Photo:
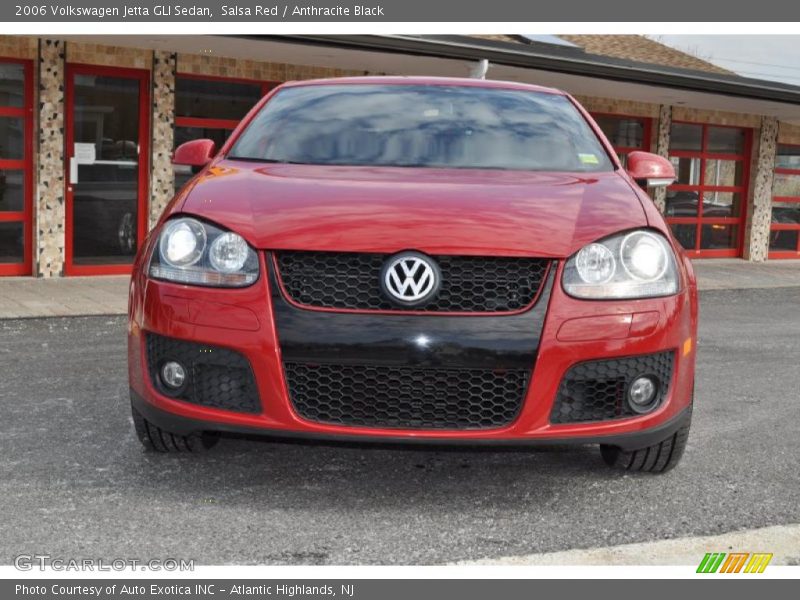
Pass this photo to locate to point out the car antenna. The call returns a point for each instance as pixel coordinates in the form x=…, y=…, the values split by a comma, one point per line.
x=478, y=71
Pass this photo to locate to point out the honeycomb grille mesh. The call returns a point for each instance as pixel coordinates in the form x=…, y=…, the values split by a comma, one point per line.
x=349, y=280
x=596, y=390
x=218, y=377
x=406, y=397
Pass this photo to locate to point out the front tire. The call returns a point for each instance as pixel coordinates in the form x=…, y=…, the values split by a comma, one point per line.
x=658, y=458
x=155, y=439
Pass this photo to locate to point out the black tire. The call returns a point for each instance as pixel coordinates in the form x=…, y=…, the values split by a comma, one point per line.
x=156, y=439
x=126, y=233
x=658, y=458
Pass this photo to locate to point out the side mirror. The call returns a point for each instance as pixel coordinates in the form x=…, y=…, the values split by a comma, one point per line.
x=196, y=154
x=650, y=170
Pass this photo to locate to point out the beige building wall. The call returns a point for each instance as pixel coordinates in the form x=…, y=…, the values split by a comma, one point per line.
x=788, y=134
x=715, y=117
x=12, y=46
x=108, y=56
x=618, y=107
x=216, y=66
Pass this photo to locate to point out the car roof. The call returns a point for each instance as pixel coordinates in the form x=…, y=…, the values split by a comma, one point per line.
x=411, y=80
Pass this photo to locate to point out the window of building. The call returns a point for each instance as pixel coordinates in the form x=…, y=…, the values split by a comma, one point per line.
x=705, y=206
x=107, y=137
x=16, y=159
x=625, y=133
x=784, y=238
x=211, y=107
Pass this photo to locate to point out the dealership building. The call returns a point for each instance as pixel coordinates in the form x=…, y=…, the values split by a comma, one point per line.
x=88, y=125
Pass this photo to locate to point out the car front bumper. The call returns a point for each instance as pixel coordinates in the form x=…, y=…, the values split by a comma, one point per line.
x=551, y=338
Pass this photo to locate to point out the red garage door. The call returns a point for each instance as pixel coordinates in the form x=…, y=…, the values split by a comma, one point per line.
x=107, y=136
x=784, y=239
x=16, y=172
x=706, y=206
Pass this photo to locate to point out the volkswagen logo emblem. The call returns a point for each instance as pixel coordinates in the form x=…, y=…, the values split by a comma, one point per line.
x=410, y=278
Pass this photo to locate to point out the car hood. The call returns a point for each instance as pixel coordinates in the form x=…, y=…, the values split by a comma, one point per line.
x=438, y=211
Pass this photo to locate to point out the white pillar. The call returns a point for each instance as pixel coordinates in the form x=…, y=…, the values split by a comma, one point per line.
x=162, y=177
x=50, y=210
x=662, y=149
x=759, y=211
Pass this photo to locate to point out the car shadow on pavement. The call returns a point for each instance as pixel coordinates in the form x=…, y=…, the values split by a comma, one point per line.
x=344, y=475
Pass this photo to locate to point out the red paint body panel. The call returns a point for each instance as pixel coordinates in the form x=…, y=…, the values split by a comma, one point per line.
x=644, y=323
x=601, y=327
x=437, y=211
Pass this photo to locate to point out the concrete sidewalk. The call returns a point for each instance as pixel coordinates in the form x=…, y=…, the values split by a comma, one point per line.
x=22, y=297
x=783, y=541
x=736, y=274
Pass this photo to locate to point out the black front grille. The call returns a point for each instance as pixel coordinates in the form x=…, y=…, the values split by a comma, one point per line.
x=217, y=377
x=596, y=390
x=350, y=280
x=406, y=397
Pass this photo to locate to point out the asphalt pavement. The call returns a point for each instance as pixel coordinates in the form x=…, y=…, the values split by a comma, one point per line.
x=74, y=482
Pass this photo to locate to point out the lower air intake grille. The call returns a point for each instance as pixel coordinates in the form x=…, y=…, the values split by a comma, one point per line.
x=596, y=390
x=217, y=377
x=406, y=397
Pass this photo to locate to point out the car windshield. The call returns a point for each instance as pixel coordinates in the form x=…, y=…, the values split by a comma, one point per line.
x=422, y=126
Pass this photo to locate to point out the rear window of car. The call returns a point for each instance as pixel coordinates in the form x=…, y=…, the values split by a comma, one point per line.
x=422, y=126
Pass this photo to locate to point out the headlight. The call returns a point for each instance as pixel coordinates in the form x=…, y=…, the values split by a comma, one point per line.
x=193, y=252
x=228, y=253
x=638, y=264
x=182, y=243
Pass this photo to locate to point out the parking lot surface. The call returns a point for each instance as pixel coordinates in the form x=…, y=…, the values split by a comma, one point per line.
x=74, y=482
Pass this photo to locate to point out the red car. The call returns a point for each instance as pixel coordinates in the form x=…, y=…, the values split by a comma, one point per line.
x=416, y=260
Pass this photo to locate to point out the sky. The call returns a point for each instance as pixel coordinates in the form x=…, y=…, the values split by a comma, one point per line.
x=774, y=57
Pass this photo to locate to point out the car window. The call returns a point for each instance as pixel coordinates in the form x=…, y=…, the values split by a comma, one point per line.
x=422, y=126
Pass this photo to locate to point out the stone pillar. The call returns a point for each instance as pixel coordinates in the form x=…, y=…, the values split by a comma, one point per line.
x=50, y=177
x=662, y=149
x=162, y=178
x=759, y=211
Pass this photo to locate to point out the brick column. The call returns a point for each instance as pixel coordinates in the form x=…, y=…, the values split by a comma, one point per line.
x=50, y=212
x=662, y=149
x=162, y=178
x=759, y=211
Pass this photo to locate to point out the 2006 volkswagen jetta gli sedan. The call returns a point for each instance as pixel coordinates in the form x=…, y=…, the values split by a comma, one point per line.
x=419, y=260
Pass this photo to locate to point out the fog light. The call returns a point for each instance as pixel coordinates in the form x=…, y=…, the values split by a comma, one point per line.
x=173, y=374
x=642, y=394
